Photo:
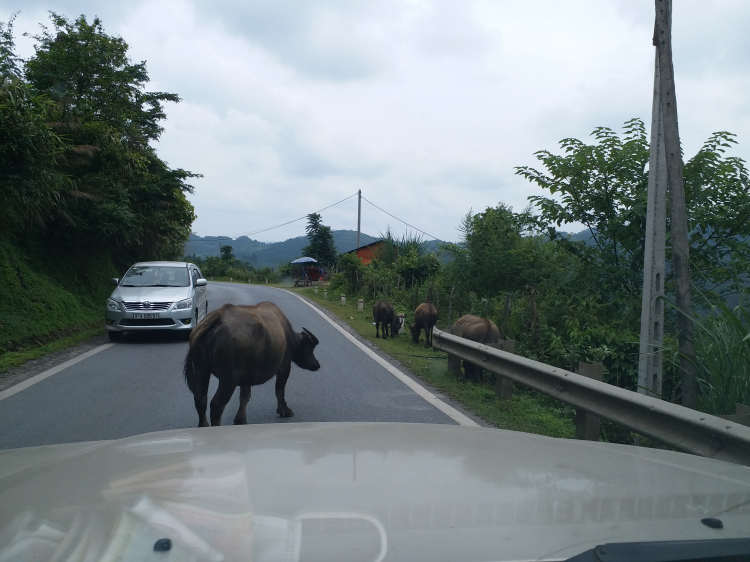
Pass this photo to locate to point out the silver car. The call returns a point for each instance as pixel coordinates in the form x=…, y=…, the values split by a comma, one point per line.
x=160, y=295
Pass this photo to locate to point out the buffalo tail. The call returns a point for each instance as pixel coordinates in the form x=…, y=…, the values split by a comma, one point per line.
x=187, y=370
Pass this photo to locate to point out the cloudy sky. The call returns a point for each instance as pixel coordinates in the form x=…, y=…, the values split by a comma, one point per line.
x=425, y=105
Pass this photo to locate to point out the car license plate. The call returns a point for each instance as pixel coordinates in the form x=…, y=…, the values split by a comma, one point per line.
x=146, y=316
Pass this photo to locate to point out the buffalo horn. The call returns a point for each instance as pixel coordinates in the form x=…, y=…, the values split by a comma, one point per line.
x=312, y=336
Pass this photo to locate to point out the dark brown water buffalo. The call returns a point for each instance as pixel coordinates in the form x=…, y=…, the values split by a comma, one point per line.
x=480, y=330
x=244, y=346
x=384, y=313
x=425, y=317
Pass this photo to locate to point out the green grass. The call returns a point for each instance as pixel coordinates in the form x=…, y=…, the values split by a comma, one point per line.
x=722, y=356
x=527, y=411
x=50, y=300
x=12, y=359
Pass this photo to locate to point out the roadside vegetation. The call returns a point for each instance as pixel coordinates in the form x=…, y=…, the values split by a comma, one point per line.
x=567, y=299
x=83, y=193
x=526, y=411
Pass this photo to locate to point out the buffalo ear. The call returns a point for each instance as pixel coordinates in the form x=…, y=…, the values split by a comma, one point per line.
x=311, y=335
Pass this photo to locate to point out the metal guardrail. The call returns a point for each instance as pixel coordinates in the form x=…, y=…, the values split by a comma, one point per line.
x=678, y=427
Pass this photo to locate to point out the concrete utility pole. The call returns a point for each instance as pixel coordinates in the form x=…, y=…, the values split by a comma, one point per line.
x=652, y=309
x=677, y=211
x=359, y=214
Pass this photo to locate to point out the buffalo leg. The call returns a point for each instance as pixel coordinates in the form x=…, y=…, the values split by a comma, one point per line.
x=377, y=329
x=241, y=417
x=220, y=399
x=470, y=371
x=202, y=377
x=385, y=331
x=281, y=377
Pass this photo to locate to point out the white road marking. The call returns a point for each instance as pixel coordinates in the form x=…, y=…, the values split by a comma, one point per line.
x=48, y=373
x=433, y=400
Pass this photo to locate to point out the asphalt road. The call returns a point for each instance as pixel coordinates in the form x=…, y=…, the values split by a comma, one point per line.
x=137, y=386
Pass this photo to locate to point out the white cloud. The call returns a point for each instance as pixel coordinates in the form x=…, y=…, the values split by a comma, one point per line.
x=425, y=105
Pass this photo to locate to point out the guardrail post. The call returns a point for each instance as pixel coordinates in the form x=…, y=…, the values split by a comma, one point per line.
x=587, y=425
x=503, y=386
x=741, y=415
x=454, y=361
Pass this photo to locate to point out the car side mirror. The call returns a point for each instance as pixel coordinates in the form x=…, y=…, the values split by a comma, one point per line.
x=115, y=281
x=201, y=283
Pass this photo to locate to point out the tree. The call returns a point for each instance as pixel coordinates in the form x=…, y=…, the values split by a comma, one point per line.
x=92, y=78
x=604, y=187
x=351, y=267
x=119, y=194
x=227, y=254
x=321, y=246
x=493, y=239
x=32, y=187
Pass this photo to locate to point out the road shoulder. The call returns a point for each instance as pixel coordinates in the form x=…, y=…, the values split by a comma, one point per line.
x=395, y=362
x=34, y=367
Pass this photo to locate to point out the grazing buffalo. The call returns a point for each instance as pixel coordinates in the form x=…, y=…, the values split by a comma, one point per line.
x=244, y=346
x=480, y=330
x=425, y=317
x=384, y=313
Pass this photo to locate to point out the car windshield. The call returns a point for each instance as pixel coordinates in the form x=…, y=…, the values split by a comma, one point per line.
x=156, y=276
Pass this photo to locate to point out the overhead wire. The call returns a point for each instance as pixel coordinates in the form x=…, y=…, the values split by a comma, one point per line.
x=319, y=211
x=374, y=208
x=293, y=221
x=400, y=220
x=278, y=225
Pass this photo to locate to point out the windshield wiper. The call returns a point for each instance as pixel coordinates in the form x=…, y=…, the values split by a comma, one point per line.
x=124, y=285
x=717, y=550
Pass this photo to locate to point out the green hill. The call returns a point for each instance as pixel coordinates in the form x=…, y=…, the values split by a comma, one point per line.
x=268, y=254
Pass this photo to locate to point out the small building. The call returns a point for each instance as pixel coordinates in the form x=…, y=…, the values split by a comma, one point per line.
x=368, y=252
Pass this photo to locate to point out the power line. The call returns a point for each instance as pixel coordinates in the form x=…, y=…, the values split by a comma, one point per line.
x=376, y=212
x=292, y=221
x=273, y=227
x=319, y=211
x=398, y=219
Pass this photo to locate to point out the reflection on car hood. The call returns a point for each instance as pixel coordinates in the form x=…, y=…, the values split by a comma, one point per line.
x=153, y=294
x=357, y=491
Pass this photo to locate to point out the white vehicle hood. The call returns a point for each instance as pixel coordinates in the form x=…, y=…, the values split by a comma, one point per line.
x=368, y=491
x=153, y=294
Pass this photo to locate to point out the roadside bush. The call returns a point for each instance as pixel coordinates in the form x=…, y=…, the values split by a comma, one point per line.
x=722, y=355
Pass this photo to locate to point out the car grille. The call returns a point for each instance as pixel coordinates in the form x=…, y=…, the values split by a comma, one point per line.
x=147, y=322
x=142, y=306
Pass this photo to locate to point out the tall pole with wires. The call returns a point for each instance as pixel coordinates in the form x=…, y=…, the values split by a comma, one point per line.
x=359, y=214
x=677, y=209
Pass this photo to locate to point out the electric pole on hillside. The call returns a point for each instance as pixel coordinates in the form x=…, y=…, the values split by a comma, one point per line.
x=359, y=214
x=665, y=175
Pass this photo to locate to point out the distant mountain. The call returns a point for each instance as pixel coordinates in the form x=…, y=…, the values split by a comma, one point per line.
x=268, y=254
x=583, y=236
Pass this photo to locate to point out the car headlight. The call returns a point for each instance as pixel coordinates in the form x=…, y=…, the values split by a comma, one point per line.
x=187, y=303
x=113, y=305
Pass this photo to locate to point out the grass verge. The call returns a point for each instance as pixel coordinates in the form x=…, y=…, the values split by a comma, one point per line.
x=12, y=359
x=527, y=411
